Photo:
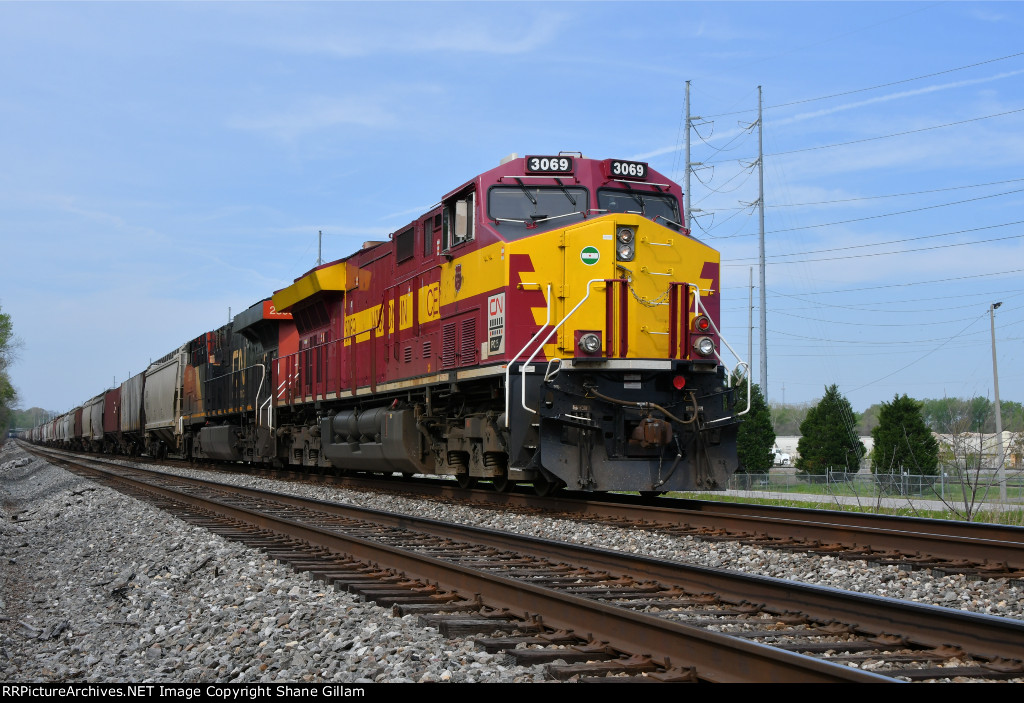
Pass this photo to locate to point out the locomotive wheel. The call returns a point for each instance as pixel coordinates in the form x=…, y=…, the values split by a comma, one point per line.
x=544, y=485
x=502, y=484
x=465, y=480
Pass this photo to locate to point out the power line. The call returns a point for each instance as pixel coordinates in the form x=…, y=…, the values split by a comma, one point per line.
x=886, y=214
x=876, y=197
x=749, y=170
x=875, y=311
x=884, y=136
x=859, y=342
x=880, y=253
x=897, y=134
x=906, y=239
x=874, y=87
x=920, y=358
x=916, y=283
x=917, y=323
x=818, y=303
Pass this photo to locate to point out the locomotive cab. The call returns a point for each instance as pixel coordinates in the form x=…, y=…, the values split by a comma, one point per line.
x=618, y=383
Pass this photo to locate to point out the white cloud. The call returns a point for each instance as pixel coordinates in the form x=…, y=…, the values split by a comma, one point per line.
x=441, y=34
x=805, y=116
x=895, y=96
x=318, y=113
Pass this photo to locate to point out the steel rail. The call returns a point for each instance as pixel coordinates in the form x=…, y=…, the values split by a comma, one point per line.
x=950, y=540
x=717, y=657
x=980, y=634
x=944, y=539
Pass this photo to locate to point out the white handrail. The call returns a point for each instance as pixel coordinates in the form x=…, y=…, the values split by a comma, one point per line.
x=508, y=366
x=266, y=403
x=522, y=369
x=699, y=306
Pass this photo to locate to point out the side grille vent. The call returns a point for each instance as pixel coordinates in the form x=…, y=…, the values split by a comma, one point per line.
x=467, y=348
x=448, y=346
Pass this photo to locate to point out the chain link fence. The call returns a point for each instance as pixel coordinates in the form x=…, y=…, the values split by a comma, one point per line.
x=980, y=485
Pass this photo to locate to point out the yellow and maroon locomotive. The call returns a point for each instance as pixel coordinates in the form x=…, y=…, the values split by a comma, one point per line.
x=551, y=321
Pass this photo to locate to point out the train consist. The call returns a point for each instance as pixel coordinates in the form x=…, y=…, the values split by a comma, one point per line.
x=551, y=321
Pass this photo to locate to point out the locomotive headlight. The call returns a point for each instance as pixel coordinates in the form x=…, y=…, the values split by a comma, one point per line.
x=590, y=343
x=625, y=248
x=704, y=346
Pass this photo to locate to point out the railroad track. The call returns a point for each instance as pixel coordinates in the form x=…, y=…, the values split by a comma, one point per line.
x=640, y=615
x=977, y=550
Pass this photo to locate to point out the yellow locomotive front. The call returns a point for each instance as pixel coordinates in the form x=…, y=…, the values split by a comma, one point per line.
x=614, y=371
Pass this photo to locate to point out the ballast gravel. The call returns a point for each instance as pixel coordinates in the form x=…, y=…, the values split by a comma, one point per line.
x=98, y=587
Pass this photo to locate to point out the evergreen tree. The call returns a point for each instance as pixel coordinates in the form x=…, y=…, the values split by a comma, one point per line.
x=828, y=438
x=903, y=443
x=756, y=437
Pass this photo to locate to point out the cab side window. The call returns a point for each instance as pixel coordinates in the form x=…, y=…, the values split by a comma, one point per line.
x=459, y=216
x=404, y=245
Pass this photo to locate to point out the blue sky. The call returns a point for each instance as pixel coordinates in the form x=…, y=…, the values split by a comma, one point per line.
x=161, y=163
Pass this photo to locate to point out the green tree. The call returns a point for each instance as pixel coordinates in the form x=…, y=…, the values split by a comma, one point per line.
x=8, y=396
x=786, y=419
x=983, y=417
x=975, y=415
x=756, y=437
x=33, y=417
x=868, y=420
x=828, y=438
x=903, y=443
x=1013, y=415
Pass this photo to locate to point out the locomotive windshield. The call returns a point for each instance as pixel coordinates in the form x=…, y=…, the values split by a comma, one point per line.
x=660, y=207
x=522, y=210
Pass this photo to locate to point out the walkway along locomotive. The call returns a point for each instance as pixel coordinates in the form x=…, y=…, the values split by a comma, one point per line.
x=550, y=321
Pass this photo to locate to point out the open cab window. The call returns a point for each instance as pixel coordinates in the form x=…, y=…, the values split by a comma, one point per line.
x=459, y=216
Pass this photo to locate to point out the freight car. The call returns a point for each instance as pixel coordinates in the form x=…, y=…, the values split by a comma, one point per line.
x=550, y=321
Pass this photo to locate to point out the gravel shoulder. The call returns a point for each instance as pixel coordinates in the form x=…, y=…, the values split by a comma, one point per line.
x=97, y=587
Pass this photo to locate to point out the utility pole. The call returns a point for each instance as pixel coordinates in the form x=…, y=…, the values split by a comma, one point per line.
x=689, y=165
x=319, y=247
x=1000, y=457
x=760, y=204
x=750, y=323
x=686, y=195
